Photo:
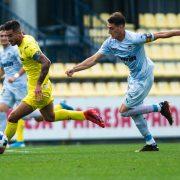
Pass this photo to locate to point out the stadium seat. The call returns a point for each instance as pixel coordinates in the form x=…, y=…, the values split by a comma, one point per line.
x=163, y=88
x=159, y=70
x=88, y=89
x=149, y=20
x=123, y=88
x=167, y=52
x=104, y=16
x=172, y=20
x=113, y=88
x=61, y=89
x=86, y=20
x=156, y=53
x=101, y=89
x=122, y=70
x=176, y=52
x=97, y=22
x=109, y=70
x=175, y=88
x=141, y=20
x=178, y=18
x=160, y=20
x=175, y=39
x=96, y=71
x=148, y=50
x=75, y=89
x=171, y=69
x=57, y=70
x=153, y=91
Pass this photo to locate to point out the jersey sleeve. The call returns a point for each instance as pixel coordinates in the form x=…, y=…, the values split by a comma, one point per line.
x=31, y=49
x=105, y=48
x=140, y=38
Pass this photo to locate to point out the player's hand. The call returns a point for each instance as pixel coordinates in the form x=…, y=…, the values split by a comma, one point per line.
x=38, y=93
x=70, y=72
x=11, y=79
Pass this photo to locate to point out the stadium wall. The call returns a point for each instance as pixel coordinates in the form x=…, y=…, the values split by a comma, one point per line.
x=117, y=127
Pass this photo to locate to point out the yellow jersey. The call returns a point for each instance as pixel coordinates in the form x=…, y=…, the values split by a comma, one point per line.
x=27, y=49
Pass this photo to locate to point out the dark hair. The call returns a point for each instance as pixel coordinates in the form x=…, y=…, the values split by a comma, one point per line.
x=2, y=28
x=117, y=18
x=12, y=25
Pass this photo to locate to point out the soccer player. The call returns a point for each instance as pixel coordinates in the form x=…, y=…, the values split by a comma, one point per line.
x=14, y=84
x=39, y=96
x=128, y=47
x=15, y=87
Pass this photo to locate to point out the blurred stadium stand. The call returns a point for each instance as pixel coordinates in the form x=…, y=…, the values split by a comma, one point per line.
x=69, y=36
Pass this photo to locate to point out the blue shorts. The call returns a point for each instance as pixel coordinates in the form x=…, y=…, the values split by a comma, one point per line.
x=12, y=97
x=138, y=91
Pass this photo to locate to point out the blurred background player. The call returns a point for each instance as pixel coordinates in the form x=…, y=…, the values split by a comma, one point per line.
x=128, y=47
x=39, y=96
x=15, y=87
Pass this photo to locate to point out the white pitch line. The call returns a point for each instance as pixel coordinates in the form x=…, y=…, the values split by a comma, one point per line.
x=17, y=151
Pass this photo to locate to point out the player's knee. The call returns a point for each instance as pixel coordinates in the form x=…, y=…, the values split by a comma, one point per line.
x=123, y=109
x=12, y=117
x=50, y=118
x=3, y=108
x=39, y=119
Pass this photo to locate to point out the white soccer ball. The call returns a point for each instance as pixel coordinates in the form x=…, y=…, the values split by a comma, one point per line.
x=3, y=142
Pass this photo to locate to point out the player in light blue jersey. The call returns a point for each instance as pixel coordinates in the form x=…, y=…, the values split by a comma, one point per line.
x=128, y=47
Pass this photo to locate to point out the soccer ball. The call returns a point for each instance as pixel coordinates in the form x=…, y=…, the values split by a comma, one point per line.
x=3, y=142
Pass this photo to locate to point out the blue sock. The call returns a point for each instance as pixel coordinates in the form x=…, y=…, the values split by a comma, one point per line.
x=141, y=124
x=65, y=106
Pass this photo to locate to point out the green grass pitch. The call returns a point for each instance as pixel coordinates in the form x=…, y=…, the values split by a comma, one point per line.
x=89, y=162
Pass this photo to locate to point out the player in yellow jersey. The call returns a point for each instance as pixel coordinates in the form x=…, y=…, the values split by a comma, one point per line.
x=39, y=96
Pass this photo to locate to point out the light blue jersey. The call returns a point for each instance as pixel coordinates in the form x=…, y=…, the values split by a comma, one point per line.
x=131, y=52
x=12, y=93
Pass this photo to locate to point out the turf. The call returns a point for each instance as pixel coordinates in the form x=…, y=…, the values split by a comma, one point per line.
x=89, y=162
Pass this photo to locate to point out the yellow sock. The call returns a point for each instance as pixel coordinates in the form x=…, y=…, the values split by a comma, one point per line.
x=68, y=115
x=20, y=131
x=10, y=130
x=57, y=107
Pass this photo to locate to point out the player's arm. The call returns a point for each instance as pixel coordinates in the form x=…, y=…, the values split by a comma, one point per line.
x=166, y=34
x=1, y=73
x=16, y=75
x=41, y=58
x=87, y=63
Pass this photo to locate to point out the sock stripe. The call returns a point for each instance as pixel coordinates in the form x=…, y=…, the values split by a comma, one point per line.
x=155, y=108
x=148, y=137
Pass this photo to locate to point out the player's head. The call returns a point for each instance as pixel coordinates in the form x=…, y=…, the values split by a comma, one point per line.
x=116, y=24
x=3, y=37
x=13, y=31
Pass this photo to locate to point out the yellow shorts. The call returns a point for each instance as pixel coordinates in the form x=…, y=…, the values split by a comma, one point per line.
x=31, y=100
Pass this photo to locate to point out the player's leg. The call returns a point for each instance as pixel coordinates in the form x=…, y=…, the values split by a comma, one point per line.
x=6, y=102
x=19, y=93
x=20, y=111
x=3, y=115
x=137, y=91
x=91, y=115
x=136, y=94
x=19, y=143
